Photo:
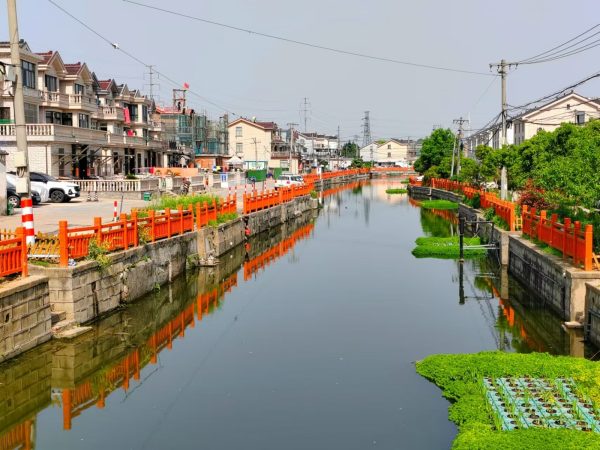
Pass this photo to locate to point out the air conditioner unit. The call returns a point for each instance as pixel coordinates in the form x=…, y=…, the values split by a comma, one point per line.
x=57, y=115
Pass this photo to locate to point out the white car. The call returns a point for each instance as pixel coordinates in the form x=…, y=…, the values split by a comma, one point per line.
x=288, y=180
x=60, y=191
x=36, y=186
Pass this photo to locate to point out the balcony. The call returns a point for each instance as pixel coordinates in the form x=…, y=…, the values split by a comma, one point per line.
x=109, y=113
x=47, y=132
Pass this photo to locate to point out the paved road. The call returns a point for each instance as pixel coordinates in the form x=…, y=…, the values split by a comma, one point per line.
x=80, y=212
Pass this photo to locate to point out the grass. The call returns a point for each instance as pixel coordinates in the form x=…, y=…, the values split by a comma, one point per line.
x=543, y=246
x=222, y=218
x=460, y=378
x=439, y=204
x=396, y=191
x=446, y=247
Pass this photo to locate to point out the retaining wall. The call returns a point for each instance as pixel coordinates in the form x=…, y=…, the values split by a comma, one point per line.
x=87, y=291
x=592, y=308
x=25, y=315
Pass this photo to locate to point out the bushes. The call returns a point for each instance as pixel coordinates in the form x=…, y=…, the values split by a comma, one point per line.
x=396, y=191
x=446, y=247
x=183, y=200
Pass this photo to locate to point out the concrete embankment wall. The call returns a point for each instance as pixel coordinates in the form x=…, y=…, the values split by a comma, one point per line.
x=552, y=280
x=25, y=315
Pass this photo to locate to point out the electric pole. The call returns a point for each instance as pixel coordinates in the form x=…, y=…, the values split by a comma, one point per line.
x=291, y=125
x=458, y=147
x=503, y=67
x=21, y=157
x=255, y=153
x=339, y=150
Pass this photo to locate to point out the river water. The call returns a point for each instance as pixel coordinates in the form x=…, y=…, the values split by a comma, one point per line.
x=305, y=338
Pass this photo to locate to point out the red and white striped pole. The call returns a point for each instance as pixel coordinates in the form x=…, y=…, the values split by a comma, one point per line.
x=27, y=220
x=115, y=211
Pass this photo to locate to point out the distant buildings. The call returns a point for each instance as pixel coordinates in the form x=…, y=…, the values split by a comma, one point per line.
x=393, y=152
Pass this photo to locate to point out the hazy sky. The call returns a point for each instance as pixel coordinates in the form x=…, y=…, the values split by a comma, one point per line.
x=250, y=75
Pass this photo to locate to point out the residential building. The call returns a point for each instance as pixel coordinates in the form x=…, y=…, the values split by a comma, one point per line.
x=393, y=152
x=74, y=126
x=571, y=108
x=262, y=145
x=317, y=146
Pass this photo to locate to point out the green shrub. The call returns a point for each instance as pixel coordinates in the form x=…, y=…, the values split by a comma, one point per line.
x=183, y=200
x=447, y=247
x=99, y=252
x=396, y=191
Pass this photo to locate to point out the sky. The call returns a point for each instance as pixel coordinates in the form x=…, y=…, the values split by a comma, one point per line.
x=252, y=76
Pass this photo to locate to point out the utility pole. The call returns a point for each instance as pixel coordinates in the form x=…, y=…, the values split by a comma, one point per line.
x=458, y=147
x=255, y=153
x=339, y=150
x=503, y=67
x=291, y=125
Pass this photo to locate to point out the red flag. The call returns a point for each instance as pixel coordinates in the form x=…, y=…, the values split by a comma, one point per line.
x=186, y=86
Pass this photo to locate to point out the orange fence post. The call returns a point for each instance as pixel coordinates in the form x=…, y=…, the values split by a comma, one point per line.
x=566, y=229
x=136, y=237
x=63, y=240
x=98, y=231
x=23, y=244
x=198, y=224
x=123, y=218
x=151, y=215
x=588, y=242
x=180, y=211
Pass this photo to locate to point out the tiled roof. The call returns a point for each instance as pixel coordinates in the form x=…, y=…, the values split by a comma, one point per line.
x=104, y=84
x=46, y=55
x=73, y=69
x=267, y=125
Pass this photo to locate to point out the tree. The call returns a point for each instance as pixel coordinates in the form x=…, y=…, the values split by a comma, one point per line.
x=350, y=150
x=438, y=145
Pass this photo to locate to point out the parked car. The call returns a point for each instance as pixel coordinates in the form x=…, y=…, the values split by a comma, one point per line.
x=14, y=199
x=36, y=186
x=59, y=191
x=287, y=180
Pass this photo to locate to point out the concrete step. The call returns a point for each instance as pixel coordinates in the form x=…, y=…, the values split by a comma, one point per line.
x=63, y=325
x=57, y=316
x=71, y=333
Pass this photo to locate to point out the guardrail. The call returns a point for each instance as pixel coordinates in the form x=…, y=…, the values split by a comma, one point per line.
x=569, y=238
x=13, y=253
x=256, y=201
x=140, y=185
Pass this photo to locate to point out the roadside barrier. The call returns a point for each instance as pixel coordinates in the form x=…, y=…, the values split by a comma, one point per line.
x=256, y=201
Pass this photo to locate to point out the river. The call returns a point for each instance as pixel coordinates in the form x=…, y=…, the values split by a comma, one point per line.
x=304, y=338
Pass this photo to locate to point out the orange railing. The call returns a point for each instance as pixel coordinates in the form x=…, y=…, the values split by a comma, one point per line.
x=13, y=253
x=502, y=208
x=569, y=238
x=413, y=181
x=125, y=233
x=257, y=201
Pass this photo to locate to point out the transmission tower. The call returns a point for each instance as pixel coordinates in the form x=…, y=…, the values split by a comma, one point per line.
x=366, y=129
x=305, y=112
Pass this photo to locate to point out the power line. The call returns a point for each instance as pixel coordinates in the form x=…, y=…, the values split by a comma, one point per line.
x=116, y=46
x=307, y=44
x=559, y=46
x=588, y=46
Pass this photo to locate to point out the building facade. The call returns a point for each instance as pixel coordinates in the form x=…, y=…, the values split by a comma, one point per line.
x=393, y=152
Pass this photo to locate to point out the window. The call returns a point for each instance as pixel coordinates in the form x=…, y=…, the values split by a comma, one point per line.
x=580, y=118
x=144, y=113
x=389, y=154
x=238, y=131
x=84, y=121
x=79, y=89
x=4, y=114
x=389, y=146
x=51, y=83
x=31, y=113
x=53, y=117
x=28, y=71
x=239, y=147
x=67, y=119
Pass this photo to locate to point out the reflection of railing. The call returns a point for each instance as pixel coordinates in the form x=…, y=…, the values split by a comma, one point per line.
x=344, y=187
x=277, y=251
x=90, y=392
x=18, y=437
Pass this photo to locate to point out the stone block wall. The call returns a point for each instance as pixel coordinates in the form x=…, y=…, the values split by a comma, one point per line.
x=592, y=313
x=25, y=315
x=221, y=239
x=86, y=291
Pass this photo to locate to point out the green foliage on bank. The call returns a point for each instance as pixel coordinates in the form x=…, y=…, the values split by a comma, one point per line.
x=446, y=247
x=396, y=191
x=460, y=378
x=439, y=204
x=183, y=200
x=222, y=218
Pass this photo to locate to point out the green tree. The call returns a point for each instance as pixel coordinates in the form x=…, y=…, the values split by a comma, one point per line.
x=438, y=145
x=350, y=150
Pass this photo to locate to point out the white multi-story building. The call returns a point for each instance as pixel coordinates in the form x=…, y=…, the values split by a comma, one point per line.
x=75, y=124
x=393, y=152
